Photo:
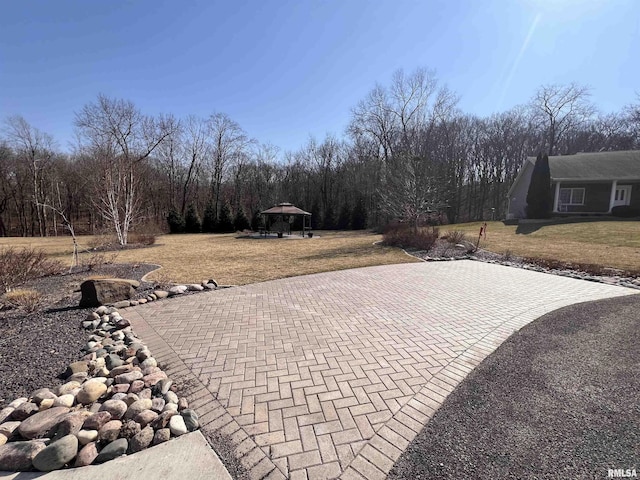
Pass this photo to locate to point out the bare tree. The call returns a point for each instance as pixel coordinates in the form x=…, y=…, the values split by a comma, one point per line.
x=36, y=148
x=228, y=142
x=120, y=138
x=561, y=108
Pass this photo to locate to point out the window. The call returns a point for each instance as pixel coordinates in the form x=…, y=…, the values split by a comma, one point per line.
x=571, y=196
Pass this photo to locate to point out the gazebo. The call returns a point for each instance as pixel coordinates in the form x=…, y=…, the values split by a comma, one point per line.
x=278, y=219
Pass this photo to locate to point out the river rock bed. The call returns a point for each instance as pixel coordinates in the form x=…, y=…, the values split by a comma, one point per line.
x=116, y=400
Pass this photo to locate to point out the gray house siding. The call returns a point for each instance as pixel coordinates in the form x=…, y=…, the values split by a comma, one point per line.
x=596, y=197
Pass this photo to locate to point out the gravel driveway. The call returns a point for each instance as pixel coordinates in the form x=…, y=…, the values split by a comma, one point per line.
x=557, y=400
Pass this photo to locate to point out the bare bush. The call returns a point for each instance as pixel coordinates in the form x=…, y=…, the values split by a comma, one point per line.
x=142, y=238
x=455, y=236
x=29, y=300
x=94, y=260
x=19, y=266
x=400, y=235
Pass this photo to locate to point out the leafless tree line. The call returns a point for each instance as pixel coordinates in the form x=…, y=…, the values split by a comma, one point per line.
x=408, y=152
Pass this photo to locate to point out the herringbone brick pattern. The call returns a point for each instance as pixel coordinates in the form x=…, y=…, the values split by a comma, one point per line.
x=334, y=374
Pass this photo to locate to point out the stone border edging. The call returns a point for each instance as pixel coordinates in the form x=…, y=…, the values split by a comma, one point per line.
x=116, y=401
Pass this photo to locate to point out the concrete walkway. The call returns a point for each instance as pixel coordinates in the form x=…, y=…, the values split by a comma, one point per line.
x=332, y=375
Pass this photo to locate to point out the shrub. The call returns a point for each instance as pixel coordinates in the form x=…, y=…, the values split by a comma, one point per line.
x=328, y=221
x=192, y=222
x=210, y=219
x=539, y=199
x=176, y=222
x=18, y=266
x=141, y=238
x=359, y=216
x=455, y=236
x=225, y=221
x=240, y=221
x=344, y=218
x=401, y=235
x=29, y=300
x=256, y=221
x=625, y=211
x=99, y=258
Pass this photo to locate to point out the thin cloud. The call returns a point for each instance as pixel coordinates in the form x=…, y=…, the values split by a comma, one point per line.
x=515, y=65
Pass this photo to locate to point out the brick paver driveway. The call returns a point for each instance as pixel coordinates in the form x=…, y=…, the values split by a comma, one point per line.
x=334, y=374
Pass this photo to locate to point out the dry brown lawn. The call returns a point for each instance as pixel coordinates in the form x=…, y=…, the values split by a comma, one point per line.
x=238, y=261
x=607, y=243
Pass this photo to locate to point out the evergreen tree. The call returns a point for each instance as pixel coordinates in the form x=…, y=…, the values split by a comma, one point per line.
x=175, y=221
x=539, y=202
x=225, y=221
x=344, y=218
x=210, y=221
x=315, y=216
x=359, y=215
x=256, y=221
x=192, y=220
x=240, y=221
x=328, y=221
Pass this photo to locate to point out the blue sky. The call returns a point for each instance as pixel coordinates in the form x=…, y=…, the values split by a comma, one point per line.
x=288, y=69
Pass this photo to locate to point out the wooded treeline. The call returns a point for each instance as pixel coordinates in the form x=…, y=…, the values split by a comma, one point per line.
x=408, y=153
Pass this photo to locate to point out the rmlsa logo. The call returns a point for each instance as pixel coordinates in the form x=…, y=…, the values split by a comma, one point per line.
x=622, y=473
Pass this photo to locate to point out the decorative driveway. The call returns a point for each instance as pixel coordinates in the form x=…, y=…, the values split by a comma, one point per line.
x=333, y=374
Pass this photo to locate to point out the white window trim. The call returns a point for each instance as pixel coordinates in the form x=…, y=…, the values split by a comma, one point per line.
x=572, y=190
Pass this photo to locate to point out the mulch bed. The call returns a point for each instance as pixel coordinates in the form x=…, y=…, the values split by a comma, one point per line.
x=35, y=348
x=557, y=400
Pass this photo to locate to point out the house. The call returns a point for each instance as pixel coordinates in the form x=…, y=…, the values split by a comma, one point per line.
x=583, y=184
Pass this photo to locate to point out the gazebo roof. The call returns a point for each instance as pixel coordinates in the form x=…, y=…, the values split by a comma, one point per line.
x=284, y=209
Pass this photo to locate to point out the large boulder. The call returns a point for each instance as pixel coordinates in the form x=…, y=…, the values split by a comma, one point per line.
x=18, y=456
x=105, y=291
x=39, y=424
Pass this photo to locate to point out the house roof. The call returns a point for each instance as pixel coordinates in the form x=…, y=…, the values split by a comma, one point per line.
x=284, y=209
x=622, y=165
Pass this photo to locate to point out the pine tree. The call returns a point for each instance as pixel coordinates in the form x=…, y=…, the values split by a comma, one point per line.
x=192, y=220
x=328, y=221
x=256, y=221
x=210, y=221
x=315, y=216
x=539, y=201
x=240, y=221
x=359, y=215
x=225, y=221
x=176, y=222
x=344, y=218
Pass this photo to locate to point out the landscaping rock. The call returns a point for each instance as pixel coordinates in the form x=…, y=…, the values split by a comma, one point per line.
x=66, y=400
x=91, y=391
x=129, y=429
x=42, y=394
x=5, y=412
x=71, y=424
x=129, y=377
x=7, y=428
x=194, y=287
x=110, y=431
x=190, y=418
x=151, y=380
x=86, y=455
x=145, y=417
x=25, y=410
x=161, y=436
x=159, y=294
x=96, y=421
x=157, y=404
x=177, y=290
x=138, y=406
x=141, y=440
x=56, y=455
x=38, y=425
x=98, y=292
x=113, y=450
x=177, y=426
x=87, y=436
x=77, y=367
x=68, y=387
x=18, y=456
x=117, y=408
x=162, y=420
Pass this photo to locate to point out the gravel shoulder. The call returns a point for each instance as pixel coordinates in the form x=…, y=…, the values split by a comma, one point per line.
x=557, y=400
x=35, y=348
